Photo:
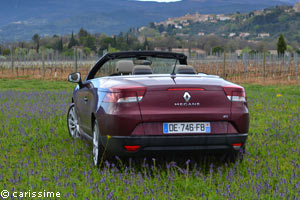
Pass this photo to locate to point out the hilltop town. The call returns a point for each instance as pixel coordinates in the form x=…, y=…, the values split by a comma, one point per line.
x=228, y=25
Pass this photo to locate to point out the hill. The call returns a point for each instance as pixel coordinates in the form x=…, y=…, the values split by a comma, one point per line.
x=20, y=19
x=265, y=24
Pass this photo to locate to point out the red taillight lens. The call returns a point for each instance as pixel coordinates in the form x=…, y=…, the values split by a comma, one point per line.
x=235, y=93
x=125, y=94
x=237, y=144
x=132, y=148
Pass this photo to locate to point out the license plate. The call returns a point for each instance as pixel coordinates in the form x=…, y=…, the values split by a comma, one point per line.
x=187, y=127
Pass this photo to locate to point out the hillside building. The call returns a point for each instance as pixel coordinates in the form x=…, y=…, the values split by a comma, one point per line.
x=232, y=34
x=243, y=35
x=273, y=52
x=187, y=51
x=297, y=7
x=263, y=35
x=239, y=52
x=223, y=17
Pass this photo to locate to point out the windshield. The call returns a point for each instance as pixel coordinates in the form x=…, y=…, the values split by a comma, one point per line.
x=137, y=66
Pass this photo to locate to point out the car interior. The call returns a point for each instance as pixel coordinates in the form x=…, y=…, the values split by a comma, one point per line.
x=143, y=67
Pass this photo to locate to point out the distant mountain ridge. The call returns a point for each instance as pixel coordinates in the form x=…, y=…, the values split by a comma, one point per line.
x=20, y=19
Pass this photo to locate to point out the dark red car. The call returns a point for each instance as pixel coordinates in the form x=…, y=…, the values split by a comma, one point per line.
x=135, y=103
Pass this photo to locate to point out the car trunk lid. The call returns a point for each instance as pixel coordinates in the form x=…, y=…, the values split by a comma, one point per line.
x=184, y=100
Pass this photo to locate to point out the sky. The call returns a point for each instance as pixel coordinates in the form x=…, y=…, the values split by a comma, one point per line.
x=161, y=1
x=166, y=1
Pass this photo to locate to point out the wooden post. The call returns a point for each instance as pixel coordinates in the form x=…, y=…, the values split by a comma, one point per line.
x=17, y=60
x=75, y=60
x=245, y=65
x=43, y=63
x=224, y=65
x=264, y=65
x=80, y=58
x=55, y=63
x=12, y=58
x=296, y=64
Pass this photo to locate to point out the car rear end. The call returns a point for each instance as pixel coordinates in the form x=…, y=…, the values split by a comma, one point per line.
x=174, y=116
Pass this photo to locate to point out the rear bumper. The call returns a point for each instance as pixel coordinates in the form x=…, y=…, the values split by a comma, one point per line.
x=159, y=144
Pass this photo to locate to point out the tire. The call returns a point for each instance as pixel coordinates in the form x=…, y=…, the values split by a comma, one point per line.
x=237, y=155
x=72, y=122
x=97, y=145
x=232, y=156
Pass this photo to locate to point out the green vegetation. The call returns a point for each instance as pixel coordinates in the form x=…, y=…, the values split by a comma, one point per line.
x=34, y=84
x=275, y=21
x=85, y=42
x=217, y=50
x=237, y=32
x=36, y=39
x=37, y=153
x=281, y=45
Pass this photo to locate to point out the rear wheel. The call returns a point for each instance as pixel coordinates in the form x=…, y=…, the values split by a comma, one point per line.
x=232, y=156
x=237, y=155
x=72, y=122
x=97, y=145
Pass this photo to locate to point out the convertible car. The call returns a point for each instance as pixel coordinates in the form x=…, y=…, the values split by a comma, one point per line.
x=140, y=102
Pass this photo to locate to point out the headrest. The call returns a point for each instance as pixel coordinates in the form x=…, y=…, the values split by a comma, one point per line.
x=141, y=69
x=124, y=66
x=185, y=69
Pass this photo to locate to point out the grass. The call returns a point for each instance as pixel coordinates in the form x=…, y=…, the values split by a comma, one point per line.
x=37, y=154
x=34, y=85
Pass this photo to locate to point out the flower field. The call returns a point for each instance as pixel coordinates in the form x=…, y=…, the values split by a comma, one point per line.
x=37, y=154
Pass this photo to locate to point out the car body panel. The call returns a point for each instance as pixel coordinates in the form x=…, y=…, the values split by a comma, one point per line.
x=175, y=144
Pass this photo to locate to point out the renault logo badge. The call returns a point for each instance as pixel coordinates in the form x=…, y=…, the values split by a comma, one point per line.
x=187, y=97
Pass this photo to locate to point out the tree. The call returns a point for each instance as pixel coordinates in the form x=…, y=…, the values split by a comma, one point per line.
x=105, y=42
x=289, y=48
x=170, y=29
x=217, y=50
x=82, y=33
x=60, y=46
x=72, y=42
x=246, y=50
x=87, y=51
x=90, y=42
x=6, y=52
x=161, y=28
x=146, y=44
x=281, y=45
x=152, y=25
x=36, y=39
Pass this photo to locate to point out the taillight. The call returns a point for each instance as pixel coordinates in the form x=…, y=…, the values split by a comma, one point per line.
x=125, y=94
x=132, y=148
x=235, y=93
x=237, y=146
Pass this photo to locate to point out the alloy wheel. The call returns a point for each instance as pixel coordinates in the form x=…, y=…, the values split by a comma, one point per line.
x=73, y=123
x=96, y=144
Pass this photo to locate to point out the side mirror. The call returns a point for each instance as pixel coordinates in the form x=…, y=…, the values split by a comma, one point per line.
x=74, y=77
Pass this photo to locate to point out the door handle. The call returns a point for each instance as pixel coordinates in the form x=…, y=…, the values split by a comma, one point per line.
x=85, y=99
